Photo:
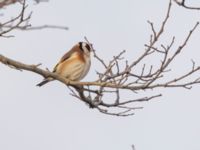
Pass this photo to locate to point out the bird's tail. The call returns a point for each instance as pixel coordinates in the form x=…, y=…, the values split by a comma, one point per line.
x=46, y=80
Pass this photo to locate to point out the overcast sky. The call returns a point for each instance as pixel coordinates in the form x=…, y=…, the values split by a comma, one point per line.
x=48, y=118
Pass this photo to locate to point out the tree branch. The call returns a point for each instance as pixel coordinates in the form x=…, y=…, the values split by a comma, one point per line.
x=182, y=3
x=111, y=79
x=21, y=22
x=119, y=76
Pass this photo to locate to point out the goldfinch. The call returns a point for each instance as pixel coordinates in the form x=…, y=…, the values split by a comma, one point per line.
x=74, y=65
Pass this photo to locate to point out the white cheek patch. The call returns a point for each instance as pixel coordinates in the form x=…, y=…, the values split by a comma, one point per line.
x=84, y=48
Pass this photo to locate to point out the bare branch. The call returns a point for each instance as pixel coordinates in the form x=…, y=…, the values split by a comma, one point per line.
x=4, y=3
x=15, y=22
x=182, y=3
x=7, y=2
x=119, y=76
x=21, y=22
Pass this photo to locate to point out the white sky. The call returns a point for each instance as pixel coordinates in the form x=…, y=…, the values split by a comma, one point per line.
x=49, y=118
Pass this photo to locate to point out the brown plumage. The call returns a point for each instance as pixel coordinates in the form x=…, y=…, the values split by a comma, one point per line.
x=74, y=65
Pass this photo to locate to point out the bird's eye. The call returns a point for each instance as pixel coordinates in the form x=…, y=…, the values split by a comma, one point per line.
x=81, y=45
x=88, y=47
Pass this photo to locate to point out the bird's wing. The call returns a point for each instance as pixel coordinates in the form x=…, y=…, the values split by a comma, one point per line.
x=66, y=56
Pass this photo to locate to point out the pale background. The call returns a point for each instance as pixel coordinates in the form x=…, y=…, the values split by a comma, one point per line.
x=48, y=118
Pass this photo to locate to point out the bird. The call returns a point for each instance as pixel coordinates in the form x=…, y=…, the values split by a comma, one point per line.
x=74, y=65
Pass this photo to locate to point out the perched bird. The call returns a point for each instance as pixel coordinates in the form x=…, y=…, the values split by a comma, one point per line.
x=74, y=65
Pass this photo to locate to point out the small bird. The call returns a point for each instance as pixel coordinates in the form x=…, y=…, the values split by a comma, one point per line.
x=74, y=65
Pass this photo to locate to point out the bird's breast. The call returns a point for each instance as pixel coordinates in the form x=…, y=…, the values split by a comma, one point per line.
x=74, y=68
